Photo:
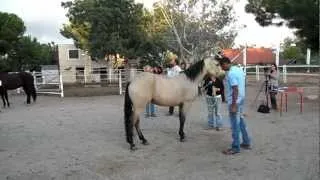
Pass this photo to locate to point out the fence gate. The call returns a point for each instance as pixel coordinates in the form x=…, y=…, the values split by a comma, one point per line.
x=126, y=75
x=48, y=83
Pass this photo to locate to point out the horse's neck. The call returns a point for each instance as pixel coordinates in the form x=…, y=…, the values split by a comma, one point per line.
x=199, y=78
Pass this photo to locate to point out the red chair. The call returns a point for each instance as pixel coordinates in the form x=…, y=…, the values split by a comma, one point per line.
x=290, y=90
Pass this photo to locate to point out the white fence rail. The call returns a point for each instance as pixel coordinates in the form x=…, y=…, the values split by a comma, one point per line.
x=118, y=78
x=114, y=78
x=285, y=71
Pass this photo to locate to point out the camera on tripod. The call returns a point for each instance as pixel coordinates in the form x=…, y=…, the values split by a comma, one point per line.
x=267, y=72
x=264, y=107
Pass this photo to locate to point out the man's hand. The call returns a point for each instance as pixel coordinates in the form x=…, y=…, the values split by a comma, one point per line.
x=233, y=108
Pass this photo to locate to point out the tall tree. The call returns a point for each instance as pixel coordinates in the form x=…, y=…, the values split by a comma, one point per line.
x=11, y=29
x=155, y=42
x=302, y=15
x=28, y=54
x=199, y=26
x=292, y=50
x=105, y=26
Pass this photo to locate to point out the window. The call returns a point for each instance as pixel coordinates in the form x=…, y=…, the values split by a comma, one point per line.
x=73, y=54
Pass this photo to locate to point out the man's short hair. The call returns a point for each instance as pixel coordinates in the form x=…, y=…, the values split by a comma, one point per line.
x=224, y=60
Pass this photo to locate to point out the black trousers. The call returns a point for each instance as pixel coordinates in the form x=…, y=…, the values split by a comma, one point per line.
x=273, y=100
x=171, y=109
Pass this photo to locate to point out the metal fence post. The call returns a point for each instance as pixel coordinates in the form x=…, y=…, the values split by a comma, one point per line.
x=110, y=74
x=35, y=80
x=61, y=85
x=120, y=83
x=284, y=73
x=257, y=73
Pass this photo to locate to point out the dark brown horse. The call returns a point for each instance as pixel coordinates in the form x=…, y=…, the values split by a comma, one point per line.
x=11, y=81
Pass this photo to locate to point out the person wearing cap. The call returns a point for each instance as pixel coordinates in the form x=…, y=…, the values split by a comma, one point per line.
x=172, y=71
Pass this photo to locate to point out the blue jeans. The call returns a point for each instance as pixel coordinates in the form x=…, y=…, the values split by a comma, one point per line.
x=238, y=126
x=150, y=109
x=214, y=116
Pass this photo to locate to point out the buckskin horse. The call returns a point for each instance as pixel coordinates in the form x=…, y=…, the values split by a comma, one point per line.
x=11, y=81
x=180, y=90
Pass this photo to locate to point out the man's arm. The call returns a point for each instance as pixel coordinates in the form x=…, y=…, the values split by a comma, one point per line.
x=233, y=81
x=235, y=92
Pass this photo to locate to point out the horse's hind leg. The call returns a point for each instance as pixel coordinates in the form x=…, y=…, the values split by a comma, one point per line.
x=182, y=118
x=137, y=125
x=3, y=99
x=28, y=93
x=6, y=97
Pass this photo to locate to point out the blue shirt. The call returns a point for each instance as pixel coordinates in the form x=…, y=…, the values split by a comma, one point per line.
x=235, y=77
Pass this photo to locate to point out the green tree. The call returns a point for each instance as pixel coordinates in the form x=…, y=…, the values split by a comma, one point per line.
x=198, y=27
x=11, y=29
x=28, y=54
x=105, y=26
x=155, y=43
x=302, y=15
x=293, y=50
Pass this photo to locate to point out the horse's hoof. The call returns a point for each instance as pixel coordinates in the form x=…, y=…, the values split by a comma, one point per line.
x=133, y=148
x=145, y=143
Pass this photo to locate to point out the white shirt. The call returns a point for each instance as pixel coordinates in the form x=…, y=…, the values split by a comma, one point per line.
x=175, y=70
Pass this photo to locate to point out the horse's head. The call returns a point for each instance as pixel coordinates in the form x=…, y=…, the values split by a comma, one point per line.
x=213, y=68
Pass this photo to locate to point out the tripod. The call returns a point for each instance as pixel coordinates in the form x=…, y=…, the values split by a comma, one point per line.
x=264, y=86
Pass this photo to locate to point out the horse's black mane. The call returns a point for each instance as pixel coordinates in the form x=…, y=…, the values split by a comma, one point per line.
x=194, y=70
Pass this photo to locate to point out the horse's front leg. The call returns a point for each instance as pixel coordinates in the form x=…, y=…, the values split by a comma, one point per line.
x=28, y=94
x=182, y=118
x=3, y=99
x=6, y=98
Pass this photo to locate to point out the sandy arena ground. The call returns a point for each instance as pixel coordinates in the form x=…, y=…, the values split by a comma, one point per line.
x=83, y=139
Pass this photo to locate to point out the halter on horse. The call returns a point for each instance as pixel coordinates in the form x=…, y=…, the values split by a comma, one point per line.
x=179, y=91
x=14, y=81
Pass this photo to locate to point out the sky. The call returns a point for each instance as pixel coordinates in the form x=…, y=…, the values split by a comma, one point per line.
x=44, y=18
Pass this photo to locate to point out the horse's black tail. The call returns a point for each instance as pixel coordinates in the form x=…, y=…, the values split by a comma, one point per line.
x=31, y=86
x=34, y=93
x=128, y=115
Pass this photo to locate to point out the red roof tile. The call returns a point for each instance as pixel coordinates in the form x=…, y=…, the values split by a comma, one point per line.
x=254, y=55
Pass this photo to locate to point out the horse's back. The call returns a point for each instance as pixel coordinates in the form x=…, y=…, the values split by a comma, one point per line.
x=26, y=77
x=15, y=80
x=142, y=84
x=173, y=91
x=161, y=89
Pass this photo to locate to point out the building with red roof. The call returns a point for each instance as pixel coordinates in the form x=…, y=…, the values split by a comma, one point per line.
x=254, y=55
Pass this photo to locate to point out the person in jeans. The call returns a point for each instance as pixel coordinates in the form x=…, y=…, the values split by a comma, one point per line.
x=235, y=87
x=273, y=85
x=150, y=108
x=172, y=71
x=213, y=98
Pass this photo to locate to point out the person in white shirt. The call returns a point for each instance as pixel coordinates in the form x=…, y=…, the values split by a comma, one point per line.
x=172, y=71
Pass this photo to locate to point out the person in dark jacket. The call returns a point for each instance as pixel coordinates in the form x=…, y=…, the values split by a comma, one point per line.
x=213, y=90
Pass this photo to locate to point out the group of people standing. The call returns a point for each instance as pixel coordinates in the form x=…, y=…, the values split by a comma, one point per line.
x=234, y=86
x=173, y=70
x=234, y=83
x=151, y=108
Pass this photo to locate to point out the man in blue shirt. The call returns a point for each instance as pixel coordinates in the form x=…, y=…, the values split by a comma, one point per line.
x=235, y=87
